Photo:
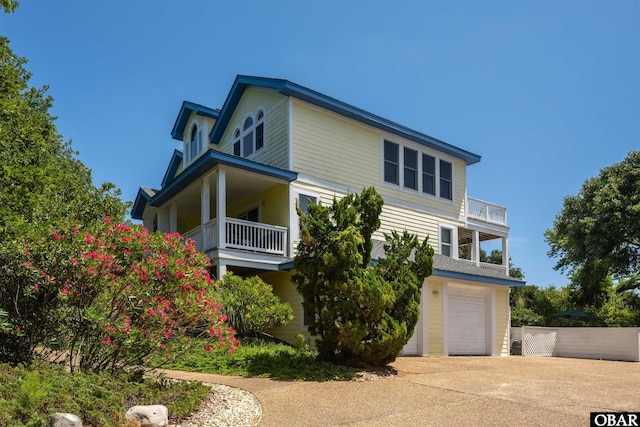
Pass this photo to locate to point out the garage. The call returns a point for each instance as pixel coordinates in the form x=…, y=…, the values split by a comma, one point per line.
x=466, y=320
x=411, y=348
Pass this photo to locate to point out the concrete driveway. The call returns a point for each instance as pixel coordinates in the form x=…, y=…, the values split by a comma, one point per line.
x=460, y=391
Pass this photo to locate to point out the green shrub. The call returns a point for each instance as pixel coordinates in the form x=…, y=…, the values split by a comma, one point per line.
x=113, y=295
x=29, y=396
x=250, y=305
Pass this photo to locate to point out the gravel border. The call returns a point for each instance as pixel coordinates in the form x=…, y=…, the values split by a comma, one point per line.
x=225, y=406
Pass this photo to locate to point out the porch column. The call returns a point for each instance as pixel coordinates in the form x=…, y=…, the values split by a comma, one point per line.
x=221, y=209
x=505, y=254
x=173, y=217
x=163, y=219
x=475, y=247
x=221, y=269
x=205, y=214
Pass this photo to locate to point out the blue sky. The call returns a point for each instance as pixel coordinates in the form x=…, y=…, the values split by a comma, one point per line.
x=547, y=92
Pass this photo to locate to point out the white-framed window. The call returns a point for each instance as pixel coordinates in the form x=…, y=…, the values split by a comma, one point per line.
x=446, y=241
x=249, y=138
x=252, y=214
x=391, y=162
x=193, y=148
x=422, y=171
x=304, y=200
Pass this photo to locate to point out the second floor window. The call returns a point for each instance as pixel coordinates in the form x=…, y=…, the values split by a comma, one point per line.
x=194, y=147
x=391, y=162
x=249, y=139
x=445, y=241
x=420, y=171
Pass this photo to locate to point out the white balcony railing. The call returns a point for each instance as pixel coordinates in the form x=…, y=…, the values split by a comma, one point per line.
x=497, y=268
x=255, y=236
x=488, y=212
x=240, y=234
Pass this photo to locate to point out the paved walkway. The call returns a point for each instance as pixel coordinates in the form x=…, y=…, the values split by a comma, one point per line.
x=460, y=391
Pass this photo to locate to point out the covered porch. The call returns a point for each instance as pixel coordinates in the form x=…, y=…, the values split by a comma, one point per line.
x=236, y=211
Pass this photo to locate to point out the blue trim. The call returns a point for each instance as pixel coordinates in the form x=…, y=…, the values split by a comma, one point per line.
x=207, y=161
x=286, y=266
x=288, y=88
x=185, y=112
x=478, y=278
x=174, y=164
x=142, y=198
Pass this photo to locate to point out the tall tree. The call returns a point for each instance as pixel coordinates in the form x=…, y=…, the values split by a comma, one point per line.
x=42, y=184
x=597, y=232
x=359, y=314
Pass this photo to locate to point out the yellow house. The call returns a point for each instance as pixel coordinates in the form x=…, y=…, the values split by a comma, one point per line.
x=234, y=186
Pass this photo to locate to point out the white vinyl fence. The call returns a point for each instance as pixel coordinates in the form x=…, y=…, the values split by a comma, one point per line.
x=584, y=343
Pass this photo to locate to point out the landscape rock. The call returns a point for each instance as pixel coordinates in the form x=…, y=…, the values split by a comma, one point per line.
x=60, y=419
x=149, y=416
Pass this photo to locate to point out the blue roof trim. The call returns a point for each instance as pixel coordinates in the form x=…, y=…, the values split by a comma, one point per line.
x=142, y=198
x=207, y=161
x=475, y=278
x=174, y=164
x=183, y=117
x=288, y=88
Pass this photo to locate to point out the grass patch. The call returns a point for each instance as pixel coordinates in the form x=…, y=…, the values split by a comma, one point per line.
x=265, y=360
x=29, y=396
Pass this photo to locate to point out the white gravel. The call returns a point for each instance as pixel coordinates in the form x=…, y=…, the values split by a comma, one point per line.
x=225, y=406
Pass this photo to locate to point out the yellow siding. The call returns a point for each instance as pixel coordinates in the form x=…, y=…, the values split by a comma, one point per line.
x=286, y=291
x=339, y=150
x=434, y=323
x=328, y=147
x=502, y=321
x=393, y=217
x=274, y=205
x=276, y=124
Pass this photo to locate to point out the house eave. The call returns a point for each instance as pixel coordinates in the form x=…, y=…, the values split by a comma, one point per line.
x=186, y=110
x=290, y=89
x=209, y=160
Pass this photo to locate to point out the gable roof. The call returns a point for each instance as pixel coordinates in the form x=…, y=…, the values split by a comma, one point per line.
x=142, y=198
x=185, y=112
x=288, y=88
x=172, y=185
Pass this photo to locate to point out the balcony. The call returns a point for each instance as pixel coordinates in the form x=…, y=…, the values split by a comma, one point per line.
x=242, y=235
x=487, y=212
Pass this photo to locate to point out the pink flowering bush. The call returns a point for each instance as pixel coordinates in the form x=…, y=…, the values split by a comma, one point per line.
x=114, y=296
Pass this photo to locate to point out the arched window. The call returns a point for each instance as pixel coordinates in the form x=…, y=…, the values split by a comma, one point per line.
x=194, y=148
x=249, y=139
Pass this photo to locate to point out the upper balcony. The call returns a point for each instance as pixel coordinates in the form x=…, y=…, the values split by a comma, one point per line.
x=241, y=234
x=486, y=212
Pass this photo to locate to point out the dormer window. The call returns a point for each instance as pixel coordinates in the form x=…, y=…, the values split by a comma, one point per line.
x=250, y=138
x=194, y=147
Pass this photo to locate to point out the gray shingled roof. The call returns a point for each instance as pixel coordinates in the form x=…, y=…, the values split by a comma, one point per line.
x=150, y=191
x=443, y=263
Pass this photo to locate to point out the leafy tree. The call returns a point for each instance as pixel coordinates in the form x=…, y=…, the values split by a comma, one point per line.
x=112, y=296
x=360, y=314
x=533, y=306
x=250, y=305
x=495, y=257
x=597, y=232
x=41, y=184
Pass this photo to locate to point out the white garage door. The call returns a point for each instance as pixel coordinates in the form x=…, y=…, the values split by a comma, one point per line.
x=466, y=321
x=411, y=348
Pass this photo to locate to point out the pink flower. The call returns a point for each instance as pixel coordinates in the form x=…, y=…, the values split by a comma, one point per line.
x=74, y=261
x=56, y=236
x=36, y=287
x=106, y=341
x=208, y=348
